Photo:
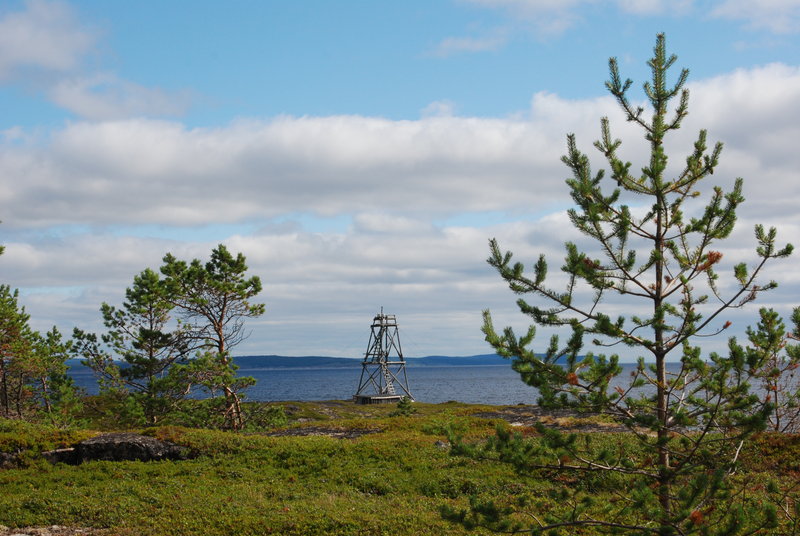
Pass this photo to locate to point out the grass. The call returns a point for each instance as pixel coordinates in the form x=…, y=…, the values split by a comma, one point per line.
x=393, y=479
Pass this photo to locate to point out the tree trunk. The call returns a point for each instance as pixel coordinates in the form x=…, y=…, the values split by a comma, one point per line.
x=46, y=395
x=233, y=409
x=662, y=402
x=233, y=406
x=664, y=475
x=4, y=387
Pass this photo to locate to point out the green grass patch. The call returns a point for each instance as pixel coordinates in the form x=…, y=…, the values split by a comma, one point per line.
x=394, y=477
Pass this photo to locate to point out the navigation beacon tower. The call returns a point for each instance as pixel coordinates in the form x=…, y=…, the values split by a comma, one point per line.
x=383, y=371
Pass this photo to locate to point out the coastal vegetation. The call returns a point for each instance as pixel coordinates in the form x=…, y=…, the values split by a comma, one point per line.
x=165, y=355
x=643, y=253
x=175, y=335
x=335, y=468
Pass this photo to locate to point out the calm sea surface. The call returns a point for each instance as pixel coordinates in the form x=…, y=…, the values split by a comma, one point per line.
x=474, y=384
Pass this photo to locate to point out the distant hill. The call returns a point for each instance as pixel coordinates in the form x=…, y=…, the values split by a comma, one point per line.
x=314, y=361
x=279, y=361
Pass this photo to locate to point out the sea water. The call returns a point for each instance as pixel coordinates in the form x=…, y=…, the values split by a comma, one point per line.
x=494, y=384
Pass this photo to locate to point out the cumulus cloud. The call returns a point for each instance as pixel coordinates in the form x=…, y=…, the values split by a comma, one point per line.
x=161, y=172
x=394, y=181
x=339, y=280
x=45, y=36
x=142, y=170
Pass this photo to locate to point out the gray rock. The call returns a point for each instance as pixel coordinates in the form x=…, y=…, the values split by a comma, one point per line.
x=8, y=460
x=67, y=455
x=127, y=446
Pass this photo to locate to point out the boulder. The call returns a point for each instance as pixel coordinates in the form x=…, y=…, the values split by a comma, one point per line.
x=127, y=446
x=8, y=460
x=67, y=455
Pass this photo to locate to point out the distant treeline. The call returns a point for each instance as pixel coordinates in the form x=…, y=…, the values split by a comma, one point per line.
x=280, y=361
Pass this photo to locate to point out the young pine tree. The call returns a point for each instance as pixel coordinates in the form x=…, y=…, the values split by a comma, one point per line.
x=775, y=362
x=213, y=299
x=16, y=345
x=138, y=359
x=686, y=423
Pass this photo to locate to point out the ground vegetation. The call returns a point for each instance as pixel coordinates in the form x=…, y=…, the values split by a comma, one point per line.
x=641, y=252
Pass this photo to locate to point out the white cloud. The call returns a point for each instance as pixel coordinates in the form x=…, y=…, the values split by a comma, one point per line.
x=393, y=179
x=777, y=16
x=104, y=96
x=160, y=172
x=142, y=170
x=45, y=35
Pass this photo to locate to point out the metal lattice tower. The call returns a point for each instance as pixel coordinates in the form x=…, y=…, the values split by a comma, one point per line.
x=383, y=371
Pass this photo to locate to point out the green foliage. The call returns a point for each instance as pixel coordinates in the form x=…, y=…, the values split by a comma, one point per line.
x=382, y=483
x=15, y=345
x=213, y=300
x=53, y=389
x=139, y=354
x=660, y=264
x=773, y=362
x=33, y=373
x=394, y=480
x=17, y=435
x=405, y=407
x=171, y=338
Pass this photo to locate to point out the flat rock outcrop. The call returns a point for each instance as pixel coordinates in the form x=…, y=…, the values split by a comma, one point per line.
x=127, y=446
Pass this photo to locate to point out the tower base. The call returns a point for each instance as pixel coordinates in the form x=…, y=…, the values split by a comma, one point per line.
x=377, y=399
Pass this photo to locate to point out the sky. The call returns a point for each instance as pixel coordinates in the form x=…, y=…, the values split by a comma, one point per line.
x=361, y=153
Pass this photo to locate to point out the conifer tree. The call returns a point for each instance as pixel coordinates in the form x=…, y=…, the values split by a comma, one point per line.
x=213, y=300
x=15, y=344
x=53, y=390
x=688, y=422
x=143, y=338
x=33, y=370
x=775, y=361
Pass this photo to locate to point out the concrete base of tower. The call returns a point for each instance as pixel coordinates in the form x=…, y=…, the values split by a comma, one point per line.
x=376, y=399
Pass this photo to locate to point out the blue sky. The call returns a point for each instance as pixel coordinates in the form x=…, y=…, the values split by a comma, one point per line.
x=359, y=153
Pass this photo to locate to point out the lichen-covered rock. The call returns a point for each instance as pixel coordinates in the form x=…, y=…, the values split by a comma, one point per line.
x=127, y=446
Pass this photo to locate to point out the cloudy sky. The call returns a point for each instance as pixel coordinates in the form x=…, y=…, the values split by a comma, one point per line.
x=360, y=153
